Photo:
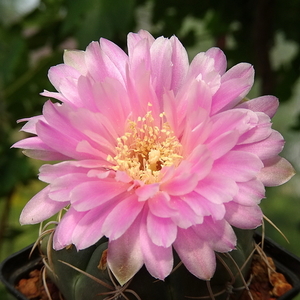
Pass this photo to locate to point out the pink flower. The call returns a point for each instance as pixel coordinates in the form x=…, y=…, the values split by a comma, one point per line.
x=156, y=154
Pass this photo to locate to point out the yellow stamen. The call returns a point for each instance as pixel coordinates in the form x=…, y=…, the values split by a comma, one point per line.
x=145, y=148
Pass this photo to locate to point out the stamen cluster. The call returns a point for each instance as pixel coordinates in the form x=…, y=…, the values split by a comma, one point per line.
x=145, y=148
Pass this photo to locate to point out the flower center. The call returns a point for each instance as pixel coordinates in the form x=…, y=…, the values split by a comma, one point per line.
x=145, y=148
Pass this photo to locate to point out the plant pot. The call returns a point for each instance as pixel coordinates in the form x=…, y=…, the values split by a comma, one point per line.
x=19, y=265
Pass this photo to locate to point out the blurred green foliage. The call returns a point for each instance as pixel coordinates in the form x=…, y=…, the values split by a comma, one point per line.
x=32, y=39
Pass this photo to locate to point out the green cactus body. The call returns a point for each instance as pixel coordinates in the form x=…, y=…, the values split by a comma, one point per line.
x=227, y=282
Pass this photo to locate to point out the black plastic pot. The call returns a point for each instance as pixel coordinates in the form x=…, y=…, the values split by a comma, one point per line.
x=19, y=265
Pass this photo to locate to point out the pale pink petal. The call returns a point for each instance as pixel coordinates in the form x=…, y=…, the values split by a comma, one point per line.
x=147, y=191
x=185, y=216
x=250, y=192
x=49, y=173
x=229, y=94
x=180, y=64
x=158, y=260
x=60, y=142
x=85, y=92
x=99, y=64
x=124, y=256
x=237, y=119
x=111, y=100
x=215, y=210
x=265, y=104
x=183, y=181
x=266, y=148
x=94, y=132
x=141, y=77
x=222, y=144
x=244, y=217
x=40, y=208
x=57, y=117
x=162, y=231
x=90, y=194
x=59, y=73
x=64, y=78
x=202, y=161
x=159, y=205
x=134, y=38
x=197, y=129
x=55, y=95
x=202, y=68
x=121, y=217
x=84, y=147
x=161, y=65
x=35, y=148
x=235, y=85
x=276, y=171
x=200, y=96
x=217, y=188
x=76, y=60
x=88, y=228
x=61, y=188
x=258, y=133
x=241, y=70
x=123, y=177
x=31, y=123
x=117, y=56
x=219, y=234
x=64, y=230
x=220, y=62
x=144, y=92
x=196, y=254
x=197, y=204
x=97, y=123
x=238, y=165
x=170, y=109
x=139, y=58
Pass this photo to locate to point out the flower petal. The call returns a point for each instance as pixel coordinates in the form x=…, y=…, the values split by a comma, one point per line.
x=239, y=166
x=235, y=85
x=158, y=260
x=40, y=208
x=217, y=188
x=76, y=60
x=196, y=254
x=250, y=192
x=147, y=191
x=244, y=217
x=88, y=228
x=162, y=231
x=121, y=217
x=219, y=234
x=65, y=228
x=269, y=147
x=90, y=194
x=265, y=104
x=276, y=171
x=124, y=256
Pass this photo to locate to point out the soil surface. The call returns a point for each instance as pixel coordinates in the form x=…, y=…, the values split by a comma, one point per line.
x=266, y=283
x=34, y=289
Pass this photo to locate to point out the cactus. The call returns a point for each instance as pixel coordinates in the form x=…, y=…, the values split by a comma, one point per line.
x=84, y=274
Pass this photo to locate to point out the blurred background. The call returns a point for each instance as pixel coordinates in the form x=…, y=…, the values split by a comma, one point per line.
x=34, y=33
